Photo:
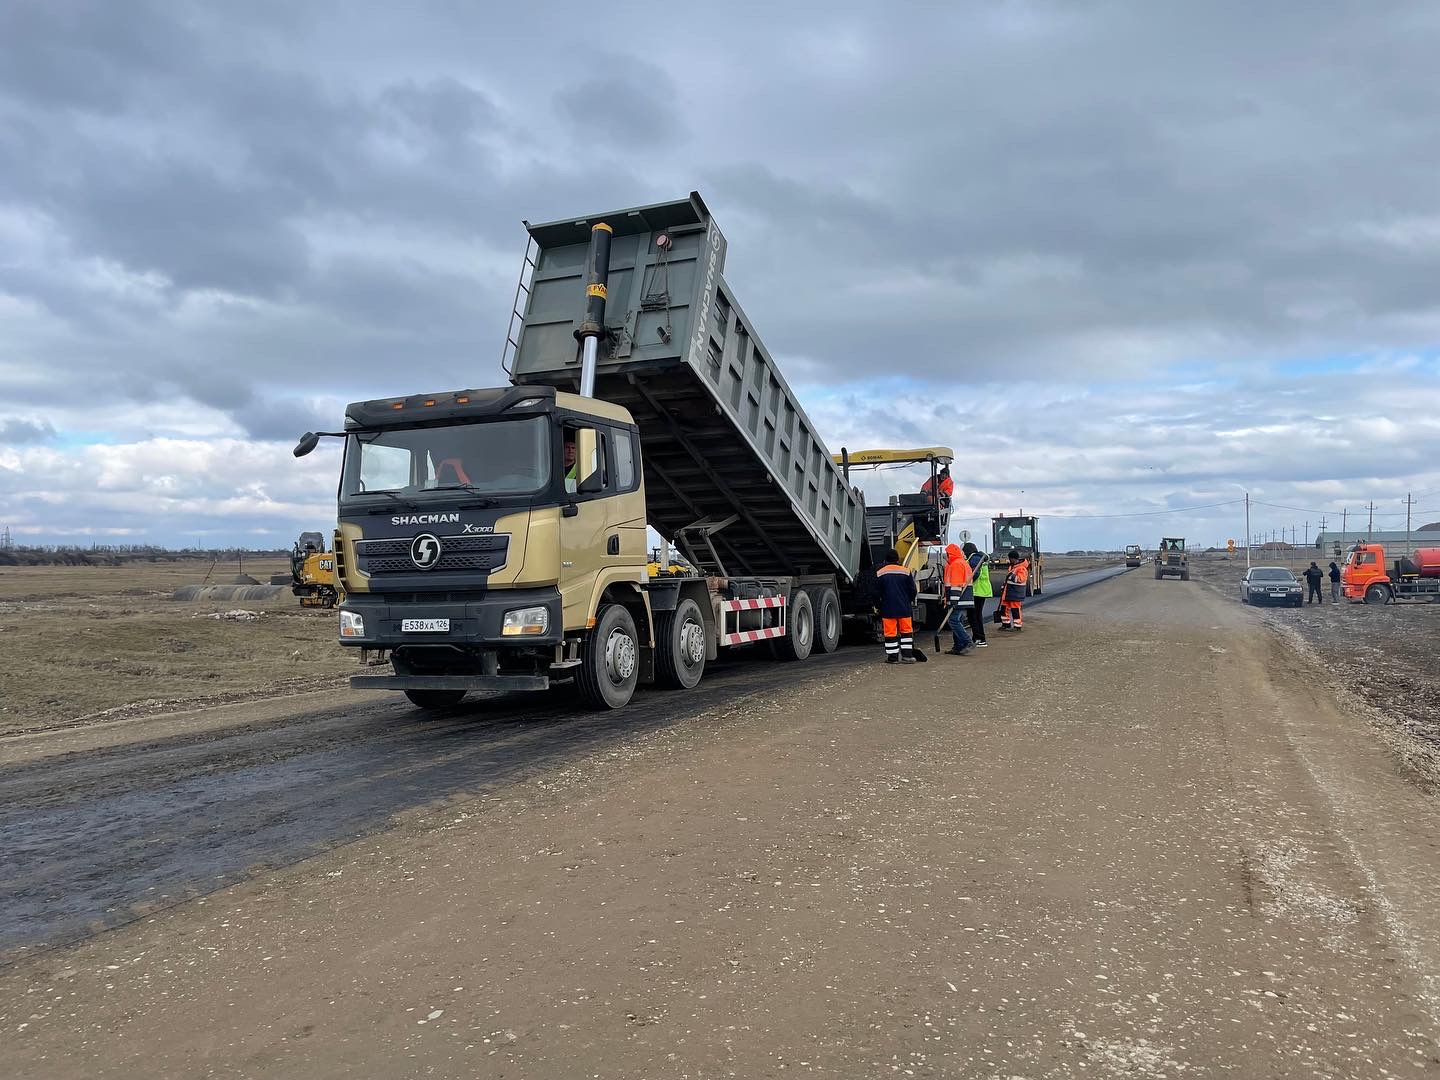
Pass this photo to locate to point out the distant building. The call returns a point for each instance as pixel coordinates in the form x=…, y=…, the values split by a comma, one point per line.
x=1420, y=536
x=1275, y=545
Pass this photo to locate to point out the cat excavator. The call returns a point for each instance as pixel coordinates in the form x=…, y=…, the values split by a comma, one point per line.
x=915, y=524
x=312, y=572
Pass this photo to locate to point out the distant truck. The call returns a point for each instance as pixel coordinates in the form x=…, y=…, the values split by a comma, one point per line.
x=1133, y=555
x=1016, y=534
x=1171, y=559
x=1366, y=576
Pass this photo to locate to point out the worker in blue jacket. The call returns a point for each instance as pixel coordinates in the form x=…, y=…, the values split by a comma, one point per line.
x=896, y=586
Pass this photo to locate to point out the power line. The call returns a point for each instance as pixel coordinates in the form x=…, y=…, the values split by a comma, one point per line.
x=1150, y=513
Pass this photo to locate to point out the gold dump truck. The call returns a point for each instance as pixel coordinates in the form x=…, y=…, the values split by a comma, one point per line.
x=496, y=538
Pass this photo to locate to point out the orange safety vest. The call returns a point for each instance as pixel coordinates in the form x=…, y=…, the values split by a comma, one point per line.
x=947, y=487
x=957, y=572
x=1015, y=582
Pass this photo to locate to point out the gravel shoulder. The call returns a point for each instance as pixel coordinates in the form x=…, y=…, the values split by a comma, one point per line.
x=1384, y=660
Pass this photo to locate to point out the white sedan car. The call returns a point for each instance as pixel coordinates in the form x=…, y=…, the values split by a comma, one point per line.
x=1270, y=585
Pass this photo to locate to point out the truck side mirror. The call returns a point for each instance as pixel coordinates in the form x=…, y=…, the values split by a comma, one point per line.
x=307, y=443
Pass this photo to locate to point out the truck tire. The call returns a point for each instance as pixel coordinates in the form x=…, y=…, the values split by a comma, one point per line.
x=609, y=660
x=1159, y=573
x=799, y=637
x=1377, y=594
x=435, y=699
x=680, y=646
x=829, y=620
x=1184, y=575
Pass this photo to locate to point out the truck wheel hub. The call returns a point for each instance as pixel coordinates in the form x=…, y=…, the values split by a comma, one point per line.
x=692, y=642
x=620, y=655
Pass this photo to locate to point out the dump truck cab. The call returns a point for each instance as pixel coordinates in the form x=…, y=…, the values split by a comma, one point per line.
x=478, y=530
x=1171, y=559
x=1020, y=534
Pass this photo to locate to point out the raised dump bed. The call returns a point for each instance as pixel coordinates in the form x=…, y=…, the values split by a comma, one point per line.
x=722, y=433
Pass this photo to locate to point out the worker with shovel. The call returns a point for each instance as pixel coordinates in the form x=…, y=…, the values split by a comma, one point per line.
x=960, y=596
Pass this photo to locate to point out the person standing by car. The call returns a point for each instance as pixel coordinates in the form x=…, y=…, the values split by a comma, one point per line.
x=1313, y=577
x=1334, y=584
x=980, y=575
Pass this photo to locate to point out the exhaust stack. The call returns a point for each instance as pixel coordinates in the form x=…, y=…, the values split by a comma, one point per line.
x=597, y=273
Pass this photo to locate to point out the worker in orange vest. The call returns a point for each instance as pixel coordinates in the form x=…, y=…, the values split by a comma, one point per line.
x=1013, y=593
x=960, y=596
x=947, y=486
x=896, y=586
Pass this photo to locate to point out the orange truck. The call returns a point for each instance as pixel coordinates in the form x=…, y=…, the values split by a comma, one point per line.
x=1368, y=577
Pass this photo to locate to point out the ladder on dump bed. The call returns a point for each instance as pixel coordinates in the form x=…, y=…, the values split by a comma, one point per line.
x=517, y=309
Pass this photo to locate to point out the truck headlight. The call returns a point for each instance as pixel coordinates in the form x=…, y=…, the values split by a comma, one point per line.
x=352, y=624
x=527, y=620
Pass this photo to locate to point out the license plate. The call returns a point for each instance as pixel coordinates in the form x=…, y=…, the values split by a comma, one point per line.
x=424, y=626
x=1277, y=592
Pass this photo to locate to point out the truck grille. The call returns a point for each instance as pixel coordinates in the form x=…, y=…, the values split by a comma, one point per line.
x=458, y=554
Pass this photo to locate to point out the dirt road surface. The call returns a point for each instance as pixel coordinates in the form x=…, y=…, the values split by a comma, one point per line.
x=1380, y=659
x=1139, y=840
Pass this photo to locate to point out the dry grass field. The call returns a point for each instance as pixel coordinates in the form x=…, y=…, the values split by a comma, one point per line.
x=83, y=643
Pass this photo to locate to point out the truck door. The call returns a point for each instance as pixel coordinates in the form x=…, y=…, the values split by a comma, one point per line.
x=602, y=531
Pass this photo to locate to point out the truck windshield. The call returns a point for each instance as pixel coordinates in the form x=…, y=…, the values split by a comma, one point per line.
x=508, y=457
x=1014, y=534
x=1173, y=545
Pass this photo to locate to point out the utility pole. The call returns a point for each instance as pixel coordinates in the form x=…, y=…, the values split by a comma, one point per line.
x=1409, y=504
x=1344, y=523
x=1370, y=528
x=1249, y=536
x=1307, y=534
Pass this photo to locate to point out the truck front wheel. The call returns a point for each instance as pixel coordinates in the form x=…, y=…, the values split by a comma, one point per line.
x=609, y=660
x=435, y=699
x=1377, y=594
x=680, y=646
x=799, y=628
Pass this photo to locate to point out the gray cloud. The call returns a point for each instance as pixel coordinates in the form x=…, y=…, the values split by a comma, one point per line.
x=15, y=432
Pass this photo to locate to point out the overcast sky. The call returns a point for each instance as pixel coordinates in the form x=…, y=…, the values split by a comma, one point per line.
x=1124, y=257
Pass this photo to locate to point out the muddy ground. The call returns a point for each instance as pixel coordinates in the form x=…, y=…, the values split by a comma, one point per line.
x=1387, y=657
x=87, y=643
